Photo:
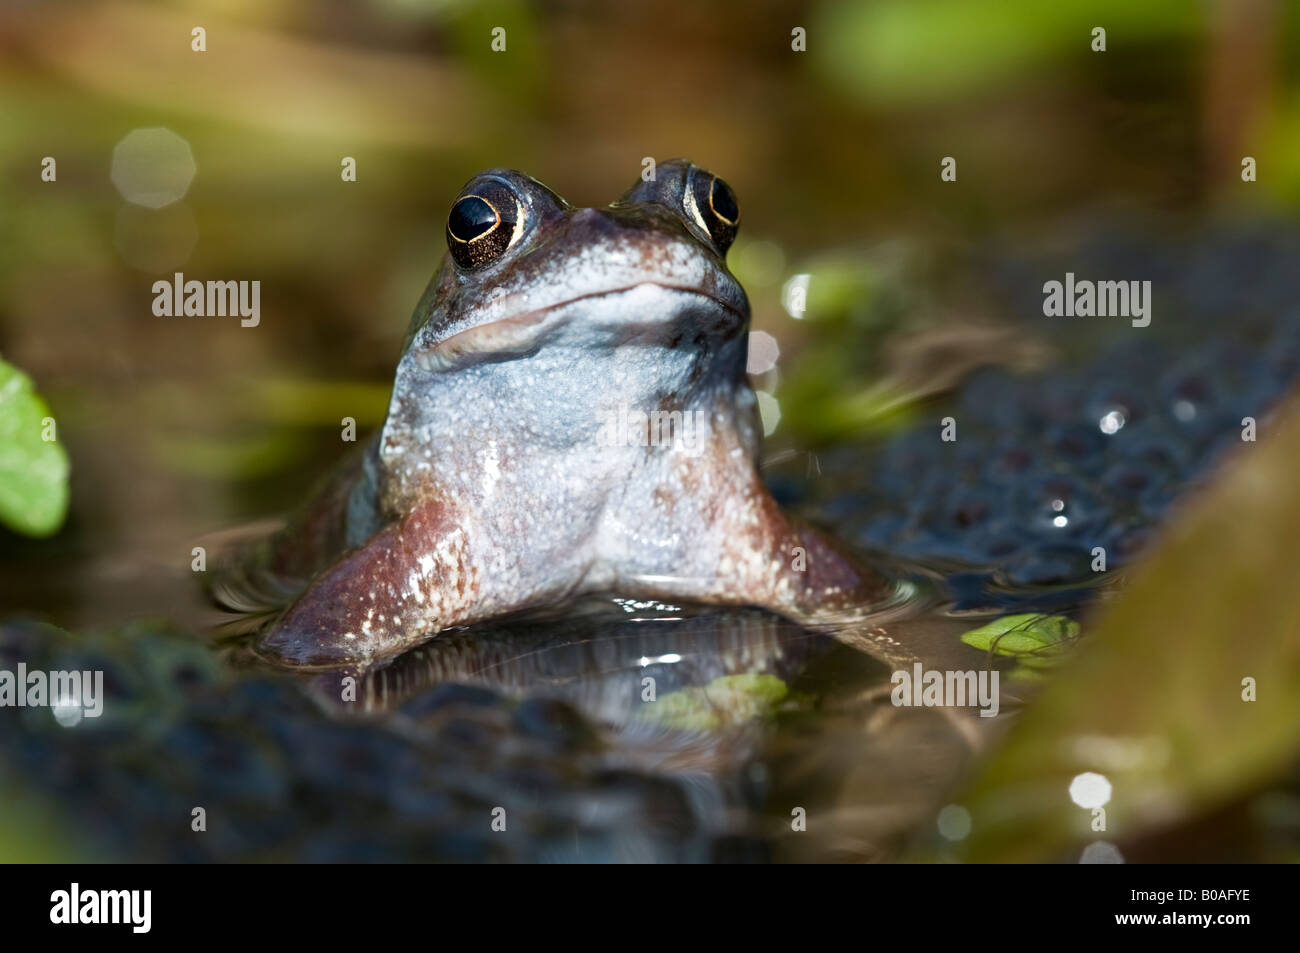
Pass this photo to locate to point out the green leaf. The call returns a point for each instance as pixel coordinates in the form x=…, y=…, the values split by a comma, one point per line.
x=33, y=470
x=1024, y=634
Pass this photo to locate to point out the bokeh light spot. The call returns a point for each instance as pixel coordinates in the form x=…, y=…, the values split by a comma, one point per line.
x=769, y=409
x=1112, y=422
x=1090, y=789
x=153, y=167
x=1101, y=852
x=794, y=295
x=763, y=352
x=954, y=822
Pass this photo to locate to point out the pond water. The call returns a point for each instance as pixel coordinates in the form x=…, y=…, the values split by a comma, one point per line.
x=618, y=729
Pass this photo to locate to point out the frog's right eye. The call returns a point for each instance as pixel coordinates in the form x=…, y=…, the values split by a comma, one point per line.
x=481, y=227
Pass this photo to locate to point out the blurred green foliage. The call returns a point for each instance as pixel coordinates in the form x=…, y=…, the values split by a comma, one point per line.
x=33, y=832
x=853, y=297
x=905, y=52
x=33, y=464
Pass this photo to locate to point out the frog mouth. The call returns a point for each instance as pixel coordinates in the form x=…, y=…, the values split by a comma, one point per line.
x=520, y=335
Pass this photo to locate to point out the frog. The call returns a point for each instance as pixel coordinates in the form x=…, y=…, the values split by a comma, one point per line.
x=570, y=415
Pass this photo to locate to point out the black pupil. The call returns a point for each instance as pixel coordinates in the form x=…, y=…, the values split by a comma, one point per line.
x=724, y=201
x=470, y=218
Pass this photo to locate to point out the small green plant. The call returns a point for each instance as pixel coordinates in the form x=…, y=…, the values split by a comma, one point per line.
x=1036, y=641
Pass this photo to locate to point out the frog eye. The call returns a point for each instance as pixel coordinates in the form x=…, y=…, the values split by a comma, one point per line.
x=713, y=205
x=480, y=228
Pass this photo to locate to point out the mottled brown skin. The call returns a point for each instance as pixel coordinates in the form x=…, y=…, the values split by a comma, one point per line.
x=495, y=484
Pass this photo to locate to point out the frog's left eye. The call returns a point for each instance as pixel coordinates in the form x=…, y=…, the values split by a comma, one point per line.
x=713, y=205
x=480, y=228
